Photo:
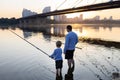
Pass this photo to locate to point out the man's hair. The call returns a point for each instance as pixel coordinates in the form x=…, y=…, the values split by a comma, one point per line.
x=69, y=27
x=58, y=43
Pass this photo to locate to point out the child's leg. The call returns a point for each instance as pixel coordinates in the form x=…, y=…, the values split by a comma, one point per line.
x=59, y=72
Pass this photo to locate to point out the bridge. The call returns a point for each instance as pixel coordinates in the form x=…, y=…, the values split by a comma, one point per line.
x=41, y=18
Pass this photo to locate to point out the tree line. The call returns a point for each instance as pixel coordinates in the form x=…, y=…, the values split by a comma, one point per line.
x=8, y=21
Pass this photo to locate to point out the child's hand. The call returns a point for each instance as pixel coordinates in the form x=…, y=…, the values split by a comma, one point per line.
x=51, y=57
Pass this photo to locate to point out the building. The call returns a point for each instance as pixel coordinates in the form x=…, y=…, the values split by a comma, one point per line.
x=60, y=18
x=105, y=18
x=47, y=9
x=96, y=18
x=81, y=17
x=27, y=12
x=111, y=18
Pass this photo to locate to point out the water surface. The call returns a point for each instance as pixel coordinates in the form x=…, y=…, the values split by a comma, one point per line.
x=21, y=61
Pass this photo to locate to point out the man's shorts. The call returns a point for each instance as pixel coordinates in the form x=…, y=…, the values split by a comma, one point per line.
x=69, y=54
x=59, y=64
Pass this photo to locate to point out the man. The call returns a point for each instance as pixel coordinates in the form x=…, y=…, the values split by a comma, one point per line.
x=69, y=48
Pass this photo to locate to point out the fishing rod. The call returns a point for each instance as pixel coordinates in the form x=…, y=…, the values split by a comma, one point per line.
x=29, y=43
x=35, y=47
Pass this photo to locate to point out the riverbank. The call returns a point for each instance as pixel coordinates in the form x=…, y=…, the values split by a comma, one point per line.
x=100, y=42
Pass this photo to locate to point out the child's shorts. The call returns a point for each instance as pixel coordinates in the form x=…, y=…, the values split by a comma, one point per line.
x=59, y=64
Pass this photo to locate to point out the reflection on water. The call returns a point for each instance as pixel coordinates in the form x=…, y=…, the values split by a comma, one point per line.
x=105, y=32
x=21, y=61
x=69, y=75
x=27, y=34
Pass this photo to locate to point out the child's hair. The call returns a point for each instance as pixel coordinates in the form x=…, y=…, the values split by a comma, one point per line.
x=58, y=43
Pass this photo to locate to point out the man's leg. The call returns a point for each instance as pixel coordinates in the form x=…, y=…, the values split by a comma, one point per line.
x=71, y=63
x=58, y=72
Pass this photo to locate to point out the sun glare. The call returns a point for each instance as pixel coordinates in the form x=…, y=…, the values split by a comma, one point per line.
x=73, y=15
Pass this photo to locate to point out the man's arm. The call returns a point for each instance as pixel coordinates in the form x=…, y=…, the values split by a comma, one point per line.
x=66, y=44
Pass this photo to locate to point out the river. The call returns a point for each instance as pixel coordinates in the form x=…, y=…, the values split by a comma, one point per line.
x=19, y=60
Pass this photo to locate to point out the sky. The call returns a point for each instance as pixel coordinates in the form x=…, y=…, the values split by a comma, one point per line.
x=13, y=8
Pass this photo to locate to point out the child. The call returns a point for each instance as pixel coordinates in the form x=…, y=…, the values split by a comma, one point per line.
x=57, y=55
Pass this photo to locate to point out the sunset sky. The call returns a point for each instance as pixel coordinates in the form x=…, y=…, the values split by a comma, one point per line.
x=13, y=8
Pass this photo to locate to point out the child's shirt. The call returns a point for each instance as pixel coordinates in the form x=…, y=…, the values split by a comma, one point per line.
x=57, y=54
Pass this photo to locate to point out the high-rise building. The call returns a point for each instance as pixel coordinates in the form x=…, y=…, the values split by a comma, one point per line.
x=105, y=18
x=47, y=9
x=27, y=12
x=96, y=18
x=61, y=18
x=110, y=18
x=81, y=17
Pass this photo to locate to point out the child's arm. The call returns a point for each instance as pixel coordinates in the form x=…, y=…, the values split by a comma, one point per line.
x=53, y=55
